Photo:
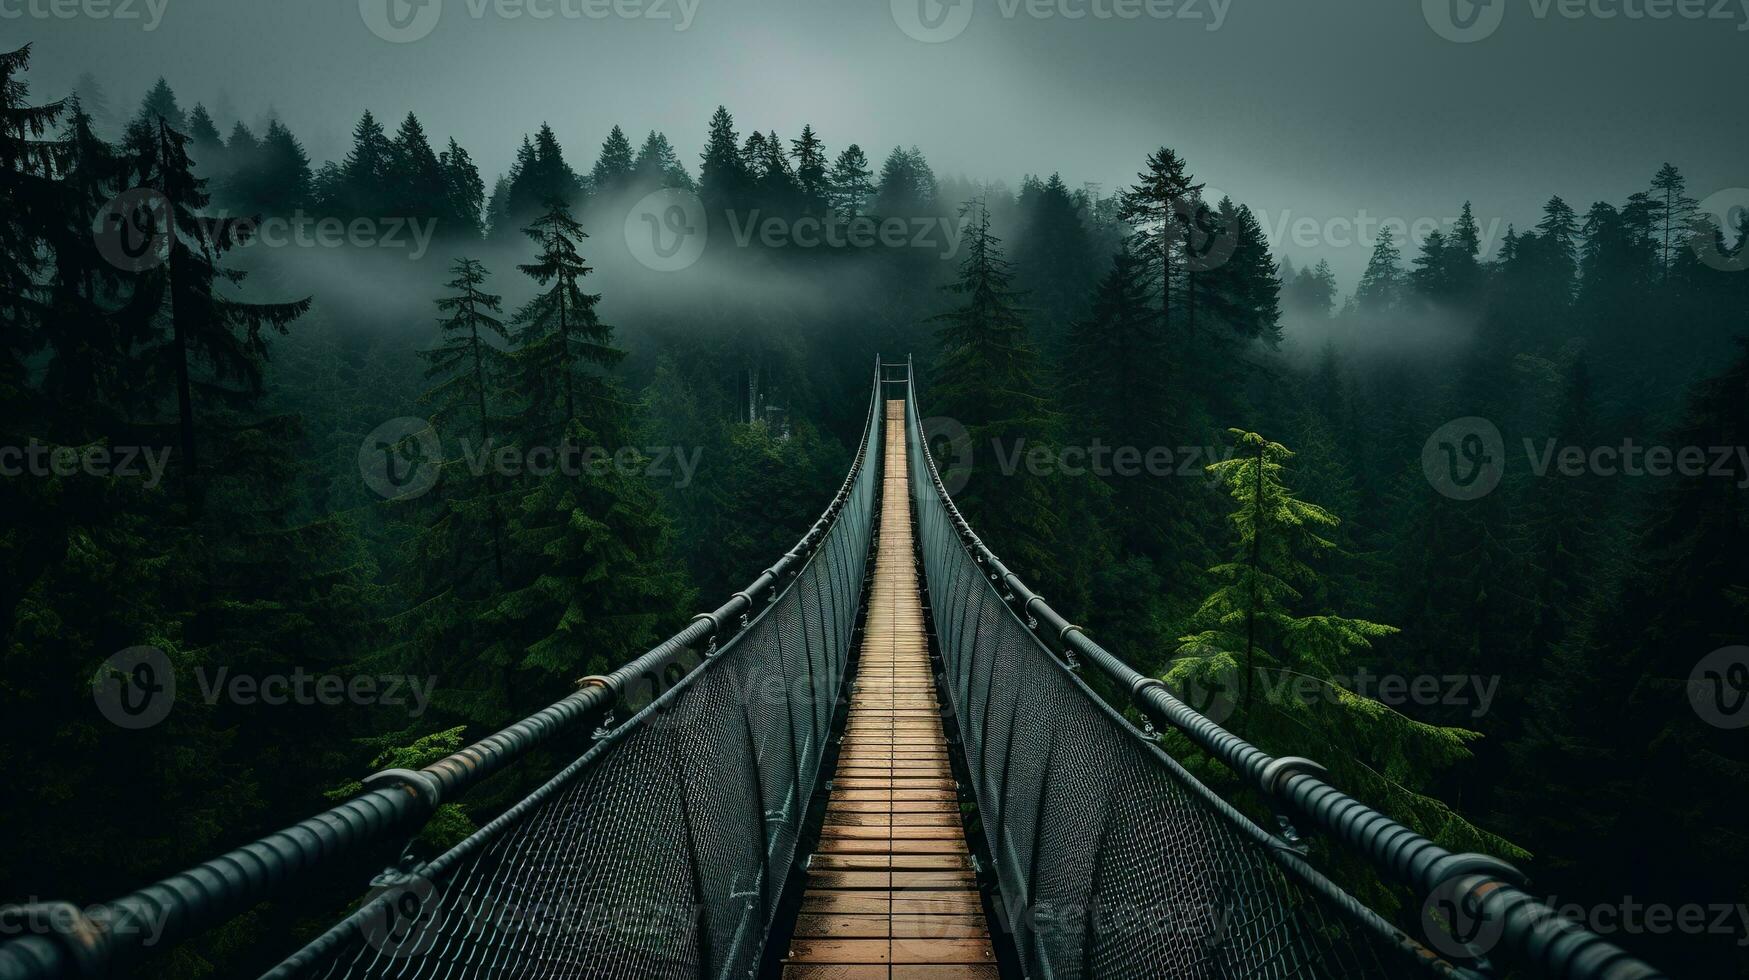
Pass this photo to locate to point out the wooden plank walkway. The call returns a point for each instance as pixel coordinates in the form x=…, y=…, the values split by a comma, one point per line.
x=891, y=894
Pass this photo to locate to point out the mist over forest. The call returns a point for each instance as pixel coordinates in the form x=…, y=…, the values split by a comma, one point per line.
x=473, y=431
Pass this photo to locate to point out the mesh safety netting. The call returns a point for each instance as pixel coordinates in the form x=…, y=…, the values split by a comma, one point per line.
x=661, y=851
x=1112, y=860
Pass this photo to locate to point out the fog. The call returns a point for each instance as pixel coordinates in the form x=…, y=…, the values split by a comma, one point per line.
x=1325, y=119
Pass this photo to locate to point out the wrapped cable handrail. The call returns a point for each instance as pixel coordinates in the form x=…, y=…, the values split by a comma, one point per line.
x=62, y=940
x=1488, y=893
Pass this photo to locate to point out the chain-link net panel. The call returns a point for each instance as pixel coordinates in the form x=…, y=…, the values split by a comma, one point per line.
x=1112, y=860
x=661, y=851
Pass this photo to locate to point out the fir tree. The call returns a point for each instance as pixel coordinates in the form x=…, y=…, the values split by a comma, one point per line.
x=1286, y=661
x=468, y=364
x=1381, y=286
x=614, y=166
x=987, y=380
x=658, y=165
x=1675, y=209
x=722, y=177
x=227, y=336
x=851, y=184
x=464, y=192
x=420, y=189
x=1160, y=205
x=811, y=180
x=558, y=334
x=368, y=170
x=91, y=94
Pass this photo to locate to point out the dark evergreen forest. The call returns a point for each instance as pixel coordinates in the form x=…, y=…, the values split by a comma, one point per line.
x=265, y=459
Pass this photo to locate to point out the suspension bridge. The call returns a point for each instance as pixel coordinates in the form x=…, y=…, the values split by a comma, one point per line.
x=881, y=759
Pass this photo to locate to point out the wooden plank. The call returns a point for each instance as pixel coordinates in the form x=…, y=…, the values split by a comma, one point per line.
x=890, y=890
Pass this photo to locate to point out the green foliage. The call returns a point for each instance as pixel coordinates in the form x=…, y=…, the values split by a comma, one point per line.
x=447, y=827
x=1286, y=661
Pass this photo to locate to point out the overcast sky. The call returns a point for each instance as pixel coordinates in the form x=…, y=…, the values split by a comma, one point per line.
x=1328, y=111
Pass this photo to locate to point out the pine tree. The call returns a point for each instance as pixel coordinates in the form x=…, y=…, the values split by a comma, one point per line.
x=1309, y=292
x=1675, y=209
x=1160, y=205
x=227, y=336
x=1431, y=275
x=614, y=166
x=1287, y=661
x=28, y=206
x=368, y=171
x=99, y=312
x=159, y=104
x=540, y=177
x=1115, y=384
x=658, y=165
x=722, y=177
x=95, y=99
x=907, y=187
x=464, y=192
x=852, y=187
x=208, y=145
x=1242, y=289
x=1381, y=286
x=769, y=160
x=1054, y=257
x=420, y=190
x=987, y=380
x=811, y=181
x=557, y=334
x=469, y=365
x=283, y=183
x=1559, y=230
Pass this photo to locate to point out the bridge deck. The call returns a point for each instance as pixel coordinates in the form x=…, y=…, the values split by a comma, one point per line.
x=890, y=891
